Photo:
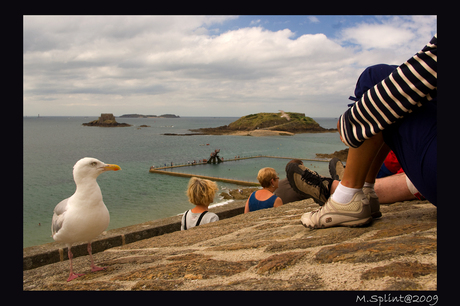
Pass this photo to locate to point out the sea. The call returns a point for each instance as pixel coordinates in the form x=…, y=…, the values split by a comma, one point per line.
x=52, y=145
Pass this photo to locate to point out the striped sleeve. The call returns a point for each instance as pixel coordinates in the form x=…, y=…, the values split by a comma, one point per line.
x=406, y=88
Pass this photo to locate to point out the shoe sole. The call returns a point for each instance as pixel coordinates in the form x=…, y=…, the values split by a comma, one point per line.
x=332, y=168
x=290, y=176
x=357, y=223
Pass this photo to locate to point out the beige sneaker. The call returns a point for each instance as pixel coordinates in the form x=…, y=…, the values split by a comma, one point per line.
x=373, y=202
x=356, y=213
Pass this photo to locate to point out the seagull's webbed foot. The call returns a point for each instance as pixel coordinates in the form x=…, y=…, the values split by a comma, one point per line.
x=73, y=276
x=95, y=268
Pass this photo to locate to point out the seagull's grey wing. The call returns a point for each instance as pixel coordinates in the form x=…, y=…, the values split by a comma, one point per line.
x=58, y=216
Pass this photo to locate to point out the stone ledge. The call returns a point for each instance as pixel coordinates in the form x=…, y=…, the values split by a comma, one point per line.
x=37, y=256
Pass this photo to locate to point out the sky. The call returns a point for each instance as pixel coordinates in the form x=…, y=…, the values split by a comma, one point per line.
x=220, y=66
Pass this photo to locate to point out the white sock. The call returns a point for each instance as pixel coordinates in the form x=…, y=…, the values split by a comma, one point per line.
x=343, y=195
x=368, y=185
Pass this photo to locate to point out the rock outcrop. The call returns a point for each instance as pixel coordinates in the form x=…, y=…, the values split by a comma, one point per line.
x=238, y=194
x=342, y=155
x=106, y=120
x=279, y=122
x=267, y=250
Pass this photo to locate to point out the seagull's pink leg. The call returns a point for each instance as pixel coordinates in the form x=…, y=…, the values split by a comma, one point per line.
x=94, y=268
x=72, y=275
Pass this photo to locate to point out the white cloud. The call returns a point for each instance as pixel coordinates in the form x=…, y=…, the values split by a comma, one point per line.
x=403, y=35
x=377, y=36
x=184, y=65
x=313, y=19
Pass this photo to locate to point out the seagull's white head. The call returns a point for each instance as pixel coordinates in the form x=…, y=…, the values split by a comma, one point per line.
x=89, y=167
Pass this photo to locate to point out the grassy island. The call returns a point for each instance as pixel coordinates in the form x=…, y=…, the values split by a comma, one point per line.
x=265, y=124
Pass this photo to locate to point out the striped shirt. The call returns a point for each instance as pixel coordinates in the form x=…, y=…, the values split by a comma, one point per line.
x=406, y=88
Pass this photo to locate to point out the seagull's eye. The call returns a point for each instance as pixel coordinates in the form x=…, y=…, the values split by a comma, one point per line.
x=93, y=164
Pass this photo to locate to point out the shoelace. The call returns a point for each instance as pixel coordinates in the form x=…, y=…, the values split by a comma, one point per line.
x=316, y=211
x=314, y=179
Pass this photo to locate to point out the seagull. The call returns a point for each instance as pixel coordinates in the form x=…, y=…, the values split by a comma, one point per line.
x=83, y=216
x=283, y=114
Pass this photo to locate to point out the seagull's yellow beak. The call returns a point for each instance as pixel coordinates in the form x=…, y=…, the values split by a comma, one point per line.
x=112, y=167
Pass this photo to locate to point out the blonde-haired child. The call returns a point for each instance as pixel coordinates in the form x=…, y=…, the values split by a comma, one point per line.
x=201, y=193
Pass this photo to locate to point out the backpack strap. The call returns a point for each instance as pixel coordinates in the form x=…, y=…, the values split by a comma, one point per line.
x=185, y=220
x=201, y=217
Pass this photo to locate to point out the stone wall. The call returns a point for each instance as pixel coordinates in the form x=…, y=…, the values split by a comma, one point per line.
x=40, y=255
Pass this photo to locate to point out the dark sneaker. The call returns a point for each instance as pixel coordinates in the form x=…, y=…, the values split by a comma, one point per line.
x=309, y=183
x=336, y=169
x=357, y=212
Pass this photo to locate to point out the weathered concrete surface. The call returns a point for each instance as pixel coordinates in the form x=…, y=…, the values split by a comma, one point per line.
x=267, y=250
x=37, y=256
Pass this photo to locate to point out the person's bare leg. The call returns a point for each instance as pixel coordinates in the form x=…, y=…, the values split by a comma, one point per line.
x=360, y=160
x=392, y=189
x=334, y=185
x=377, y=163
x=348, y=205
x=369, y=183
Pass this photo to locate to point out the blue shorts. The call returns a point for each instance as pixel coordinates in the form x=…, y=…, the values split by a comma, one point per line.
x=384, y=172
x=414, y=142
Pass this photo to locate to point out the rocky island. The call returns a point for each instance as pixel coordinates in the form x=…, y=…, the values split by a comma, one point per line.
x=148, y=116
x=266, y=124
x=106, y=120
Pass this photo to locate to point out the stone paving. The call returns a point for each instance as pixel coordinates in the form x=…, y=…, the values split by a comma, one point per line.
x=267, y=250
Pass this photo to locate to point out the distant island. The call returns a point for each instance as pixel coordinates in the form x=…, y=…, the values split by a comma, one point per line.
x=267, y=124
x=106, y=120
x=148, y=116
